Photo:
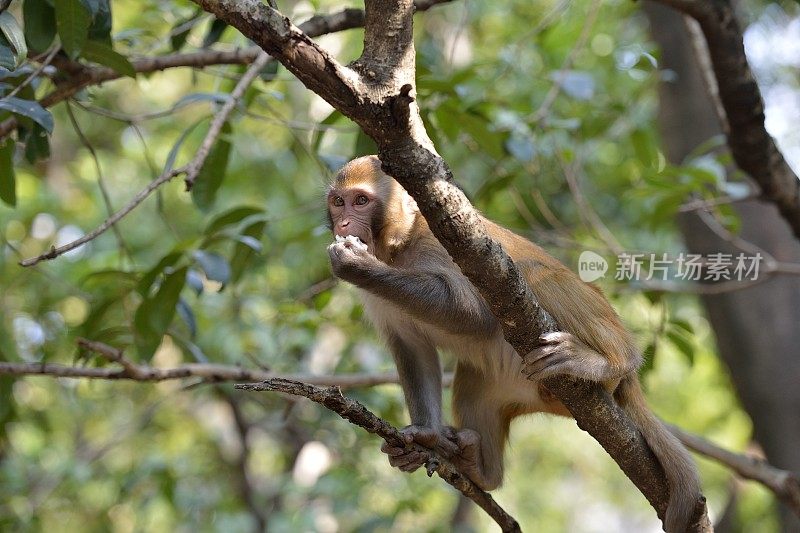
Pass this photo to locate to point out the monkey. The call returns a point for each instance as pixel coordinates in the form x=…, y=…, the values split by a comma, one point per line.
x=420, y=302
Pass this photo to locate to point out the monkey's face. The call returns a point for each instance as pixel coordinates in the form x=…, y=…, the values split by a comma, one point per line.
x=355, y=211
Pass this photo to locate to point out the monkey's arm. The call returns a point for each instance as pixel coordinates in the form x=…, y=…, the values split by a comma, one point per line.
x=438, y=296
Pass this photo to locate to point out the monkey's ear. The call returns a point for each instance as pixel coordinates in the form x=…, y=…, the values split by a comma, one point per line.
x=409, y=204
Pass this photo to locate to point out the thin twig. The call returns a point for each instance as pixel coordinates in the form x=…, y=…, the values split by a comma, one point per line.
x=555, y=89
x=355, y=412
x=785, y=484
x=110, y=221
x=43, y=65
x=205, y=371
x=101, y=184
x=193, y=168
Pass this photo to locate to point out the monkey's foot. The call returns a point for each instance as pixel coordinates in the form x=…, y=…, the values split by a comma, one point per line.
x=468, y=459
x=441, y=440
x=561, y=353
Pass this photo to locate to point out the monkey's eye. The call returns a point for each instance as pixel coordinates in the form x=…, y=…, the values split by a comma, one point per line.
x=361, y=199
x=338, y=201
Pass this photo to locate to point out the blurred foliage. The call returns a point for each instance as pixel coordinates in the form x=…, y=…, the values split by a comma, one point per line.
x=516, y=95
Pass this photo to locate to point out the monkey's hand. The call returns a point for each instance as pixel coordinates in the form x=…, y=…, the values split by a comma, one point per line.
x=442, y=441
x=562, y=353
x=352, y=263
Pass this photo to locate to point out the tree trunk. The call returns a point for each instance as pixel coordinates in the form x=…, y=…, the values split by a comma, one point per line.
x=758, y=328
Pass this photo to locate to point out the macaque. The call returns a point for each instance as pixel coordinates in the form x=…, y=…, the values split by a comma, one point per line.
x=420, y=301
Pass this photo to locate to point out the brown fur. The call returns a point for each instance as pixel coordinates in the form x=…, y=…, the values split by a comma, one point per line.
x=420, y=301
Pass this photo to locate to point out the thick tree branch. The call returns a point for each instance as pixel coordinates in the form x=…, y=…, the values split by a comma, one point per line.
x=752, y=147
x=353, y=411
x=377, y=93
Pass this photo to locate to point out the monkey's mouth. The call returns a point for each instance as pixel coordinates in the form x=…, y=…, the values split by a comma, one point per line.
x=354, y=240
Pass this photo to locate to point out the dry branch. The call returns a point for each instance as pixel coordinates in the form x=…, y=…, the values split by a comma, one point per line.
x=377, y=92
x=355, y=412
x=784, y=484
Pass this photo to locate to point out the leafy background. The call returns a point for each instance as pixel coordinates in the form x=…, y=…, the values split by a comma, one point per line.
x=236, y=272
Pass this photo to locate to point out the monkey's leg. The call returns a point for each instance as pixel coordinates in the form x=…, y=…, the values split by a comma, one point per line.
x=482, y=428
x=563, y=353
x=421, y=378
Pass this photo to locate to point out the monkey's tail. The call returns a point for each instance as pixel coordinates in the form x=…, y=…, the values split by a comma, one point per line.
x=684, y=484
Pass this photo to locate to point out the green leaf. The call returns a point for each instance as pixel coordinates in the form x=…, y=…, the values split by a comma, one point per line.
x=155, y=313
x=8, y=182
x=364, y=145
x=230, y=217
x=143, y=287
x=683, y=344
x=100, y=28
x=28, y=108
x=7, y=59
x=13, y=32
x=104, y=55
x=37, y=144
x=72, y=22
x=173, y=153
x=182, y=28
x=214, y=265
x=649, y=356
x=187, y=315
x=39, y=18
x=215, y=32
x=243, y=254
x=210, y=178
x=330, y=120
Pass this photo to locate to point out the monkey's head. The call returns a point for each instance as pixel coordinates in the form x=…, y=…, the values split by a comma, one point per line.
x=365, y=202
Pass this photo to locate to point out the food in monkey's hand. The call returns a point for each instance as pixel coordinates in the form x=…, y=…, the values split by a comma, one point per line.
x=352, y=239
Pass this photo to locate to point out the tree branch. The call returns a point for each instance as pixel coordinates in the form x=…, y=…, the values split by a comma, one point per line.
x=377, y=93
x=194, y=168
x=355, y=412
x=109, y=222
x=752, y=147
x=785, y=484
x=204, y=371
